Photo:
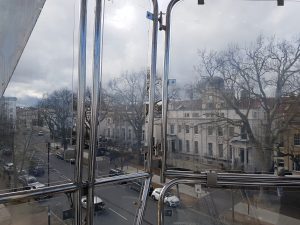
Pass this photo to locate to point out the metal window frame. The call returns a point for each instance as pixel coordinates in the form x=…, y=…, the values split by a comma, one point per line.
x=221, y=180
x=78, y=186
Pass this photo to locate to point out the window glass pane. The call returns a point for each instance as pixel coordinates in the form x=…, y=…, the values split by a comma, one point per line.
x=118, y=203
x=242, y=206
x=122, y=132
x=239, y=86
x=37, y=125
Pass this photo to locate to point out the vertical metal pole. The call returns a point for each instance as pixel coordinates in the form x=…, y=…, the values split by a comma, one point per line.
x=97, y=76
x=143, y=197
x=49, y=214
x=152, y=85
x=232, y=206
x=141, y=210
x=48, y=148
x=80, y=111
x=165, y=89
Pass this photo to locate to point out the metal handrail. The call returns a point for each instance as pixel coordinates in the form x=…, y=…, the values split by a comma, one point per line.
x=68, y=187
x=226, y=180
x=20, y=195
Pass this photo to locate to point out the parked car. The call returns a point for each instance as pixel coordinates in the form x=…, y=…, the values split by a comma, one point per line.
x=8, y=167
x=71, y=160
x=170, y=199
x=37, y=171
x=137, y=185
x=115, y=172
x=30, y=181
x=21, y=172
x=7, y=151
x=98, y=202
x=59, y=155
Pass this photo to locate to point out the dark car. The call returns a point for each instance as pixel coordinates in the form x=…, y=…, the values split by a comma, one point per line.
x=37, y=171
x=138, y=185
x=115, y=172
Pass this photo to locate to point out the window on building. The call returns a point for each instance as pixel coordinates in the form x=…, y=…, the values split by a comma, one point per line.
x=220, y=131
x=242, y=155
x=243, y=133
x=297, y=139
x=210, y=130
x=143, y=135
x=231, y=131
x=230, y=151
x=221, y=154
x=108, y=132
x=123, y=133
x=196, y=150
x=186, y=115
x=173, y=148
x=117, y=132
x=254, y=114
x=187, y=145
x=108, y=120
x=210, y=149
x=179, y=128
x=180, y=145
x=129, y=134
x=187, y=129
x=195, y=114
x=172, y=128
x=210, y=105
x=196, y=130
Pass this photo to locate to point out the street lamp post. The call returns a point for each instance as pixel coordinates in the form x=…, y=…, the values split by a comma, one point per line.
x=48, y=163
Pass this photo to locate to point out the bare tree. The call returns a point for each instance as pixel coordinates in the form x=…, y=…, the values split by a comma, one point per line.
x=57, y=110
x=129, y=94
x=263, y=73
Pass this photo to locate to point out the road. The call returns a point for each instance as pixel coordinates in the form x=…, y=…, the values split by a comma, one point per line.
x=121, y=202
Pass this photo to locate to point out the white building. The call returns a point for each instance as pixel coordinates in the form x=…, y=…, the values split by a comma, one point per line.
x=8, y=110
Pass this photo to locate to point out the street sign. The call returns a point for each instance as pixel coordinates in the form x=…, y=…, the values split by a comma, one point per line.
x=198, y=188
x=149, y=16
x=171, y=82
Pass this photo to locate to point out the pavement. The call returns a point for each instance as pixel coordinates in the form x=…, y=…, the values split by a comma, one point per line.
x=265, y=215
x=184, y=189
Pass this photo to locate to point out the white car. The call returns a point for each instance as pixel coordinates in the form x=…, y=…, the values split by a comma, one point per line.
x=170, y=199
x=98, y=202
x=30, y=181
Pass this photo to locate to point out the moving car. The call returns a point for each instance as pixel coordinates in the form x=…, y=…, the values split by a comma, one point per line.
x=115, y=172
x=30, y=181
x=98, y=202
x=41, y=133
x=59, y=155
x=170, y=199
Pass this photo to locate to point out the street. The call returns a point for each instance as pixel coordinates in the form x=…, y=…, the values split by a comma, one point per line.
x=121, y=202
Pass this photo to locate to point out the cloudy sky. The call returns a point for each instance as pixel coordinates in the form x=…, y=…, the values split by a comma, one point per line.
x=50, y=57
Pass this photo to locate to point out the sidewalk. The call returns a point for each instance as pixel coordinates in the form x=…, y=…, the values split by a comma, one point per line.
x=265, y=215
x=184, y=189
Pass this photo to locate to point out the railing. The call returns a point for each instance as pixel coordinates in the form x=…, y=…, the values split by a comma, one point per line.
x=224, y=180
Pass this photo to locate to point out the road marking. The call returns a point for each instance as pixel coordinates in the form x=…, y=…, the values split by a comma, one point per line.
x=118, y=214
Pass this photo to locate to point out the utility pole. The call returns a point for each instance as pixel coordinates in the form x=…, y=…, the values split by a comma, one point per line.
x=48, y=148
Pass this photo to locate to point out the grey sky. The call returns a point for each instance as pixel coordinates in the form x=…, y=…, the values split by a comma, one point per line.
x=46, y=63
